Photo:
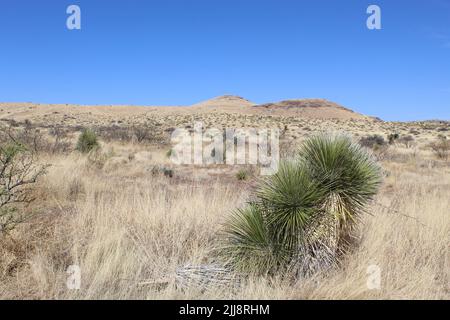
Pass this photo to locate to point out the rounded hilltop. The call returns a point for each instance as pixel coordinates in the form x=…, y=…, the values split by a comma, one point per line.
x=309, y=108
x=225, y=101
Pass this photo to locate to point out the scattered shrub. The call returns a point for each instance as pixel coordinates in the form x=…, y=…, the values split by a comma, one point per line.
x=75, y=189
x=372, y=142
x=97, y=159
x=393, y=137
x=242, y=174
x=407, y=141
x=139, y=134
x=167, y=172
x=441, y=148
x=87, y=141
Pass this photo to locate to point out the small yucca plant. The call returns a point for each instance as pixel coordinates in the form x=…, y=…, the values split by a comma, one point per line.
x=304, y=214
x=242, y=174
x=87, y=141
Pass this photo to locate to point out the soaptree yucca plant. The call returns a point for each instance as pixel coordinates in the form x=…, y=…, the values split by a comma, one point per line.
x=248, y=244
x=303, y=216
x=87, y=141
x=346, y=172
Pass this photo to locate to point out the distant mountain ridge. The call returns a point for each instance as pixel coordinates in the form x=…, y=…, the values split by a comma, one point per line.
x=309, y=108
x=303, y=108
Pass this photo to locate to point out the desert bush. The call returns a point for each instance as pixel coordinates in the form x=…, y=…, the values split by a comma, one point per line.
x=18, y=172
x=392, y=137
x=75, y=189
x=242, y=174
x=373, y=142
x=441, y=148
x=158, y=169
x=28, y=136
x=97, y=159
x=145, y=133
x=87, y=141
x=141, y=133
x=407, y=141
x=303, y=216
x=61, y=143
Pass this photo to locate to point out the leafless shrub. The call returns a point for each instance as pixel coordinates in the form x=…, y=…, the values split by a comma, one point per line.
x=18, y=172
x=75, y=189
x=372, y=142
x=407, y=141
x=35, y=140
x=140, y=134
x=441, y=148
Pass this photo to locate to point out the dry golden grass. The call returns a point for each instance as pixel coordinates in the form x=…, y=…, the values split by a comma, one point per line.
x=129, y=230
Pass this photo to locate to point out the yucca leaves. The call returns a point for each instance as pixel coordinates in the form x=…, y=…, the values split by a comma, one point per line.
x=347, y=173
x=290, y=199
x=248, y=245
x=305, y=212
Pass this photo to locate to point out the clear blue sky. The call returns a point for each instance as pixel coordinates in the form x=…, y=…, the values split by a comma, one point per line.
x=169, y=52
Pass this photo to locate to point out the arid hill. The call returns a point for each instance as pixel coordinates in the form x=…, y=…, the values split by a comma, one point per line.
x=228, y=104
x=310, y=108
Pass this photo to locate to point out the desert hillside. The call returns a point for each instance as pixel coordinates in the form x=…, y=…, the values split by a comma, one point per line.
x=304, y=108
x=295, y=118
x=110, y=201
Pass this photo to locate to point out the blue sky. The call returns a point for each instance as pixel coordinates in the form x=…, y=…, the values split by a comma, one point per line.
x=178, y=52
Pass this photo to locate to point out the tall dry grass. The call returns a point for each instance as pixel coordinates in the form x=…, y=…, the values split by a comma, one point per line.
x=129, y=230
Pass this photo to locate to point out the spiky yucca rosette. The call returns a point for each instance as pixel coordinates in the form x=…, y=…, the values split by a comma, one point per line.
x=305, y=214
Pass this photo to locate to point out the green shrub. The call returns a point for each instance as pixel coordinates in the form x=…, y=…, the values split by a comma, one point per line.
x=392, y=137
x=242, y=174
x=87, y=141
x=302, y=217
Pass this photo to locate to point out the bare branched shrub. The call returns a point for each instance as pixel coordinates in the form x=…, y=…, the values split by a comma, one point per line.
x=141, y=134
x=441, y=148
x=407, y=141
x=36, y=140
x=61, y=143
x=18, y=172
x=372, y=142
x=377, y=144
